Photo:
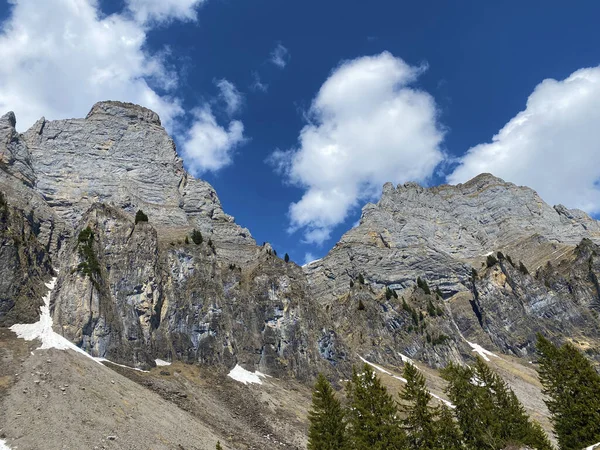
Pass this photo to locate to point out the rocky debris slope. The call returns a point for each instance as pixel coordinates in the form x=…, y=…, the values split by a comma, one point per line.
x=455, y=238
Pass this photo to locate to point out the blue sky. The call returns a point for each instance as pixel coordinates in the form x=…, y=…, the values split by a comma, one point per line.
x=462, y=70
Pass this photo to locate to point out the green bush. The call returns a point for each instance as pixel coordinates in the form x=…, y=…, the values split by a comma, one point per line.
x=140, y=217
x=388, y=293
x=89, y=266
x=197, y=237
x=423, y=285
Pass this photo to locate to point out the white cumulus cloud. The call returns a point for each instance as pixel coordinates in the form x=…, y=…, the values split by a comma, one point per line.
x=367, y=125
x=59, y=57
x=280, y=56
x=553, y=145
x=163, y=10
x=209, y=146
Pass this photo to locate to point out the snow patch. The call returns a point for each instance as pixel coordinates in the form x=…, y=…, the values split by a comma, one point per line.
x=482, y=351
x=591, y=447
x=375, y=366
x=312, y=262
x=161, y=363
x=401, y=378
x=405, y=359
x=238, y=373
x=42, y=329
x=4, y=445
x=488, y=254
x=101, y=360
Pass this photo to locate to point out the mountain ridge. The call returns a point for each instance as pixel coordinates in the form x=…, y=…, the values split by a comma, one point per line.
x=431, y=274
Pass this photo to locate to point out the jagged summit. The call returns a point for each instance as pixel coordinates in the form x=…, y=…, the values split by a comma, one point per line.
x=439, y=231
x=119, y=155
x=129, y=111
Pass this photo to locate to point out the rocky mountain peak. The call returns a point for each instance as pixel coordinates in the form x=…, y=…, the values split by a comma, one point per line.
x=123, y=110
x=8, y=120
x=121, y=156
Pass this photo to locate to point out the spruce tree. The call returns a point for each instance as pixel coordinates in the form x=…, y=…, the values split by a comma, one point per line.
x=286, y=258
x=197, y=237
x=327, y=430
x=418, y=422
x=572, y=387
x=372, y=414
x=514, y=424
x=473, y=411
x=140, y=217
x=447, y=433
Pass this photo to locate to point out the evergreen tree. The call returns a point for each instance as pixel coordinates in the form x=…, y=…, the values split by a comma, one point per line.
x=538, y=438
x=361, y=279
x=514, y=424
x=218, y=446
x=447, y=433
x=572, y=387
x=388, y=293
x=418, y=422
x=286, y=258
x=327, y=430
x=473, y=408
x=197, y=237
x=140, y=217
x=372, y=414
x=488, y=411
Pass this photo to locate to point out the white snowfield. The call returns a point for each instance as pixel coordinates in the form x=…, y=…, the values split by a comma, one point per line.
x=43, y=331
x=238, y=373
x=161, y=363
x=481, y=351
x=382, y=370
x=3, y=445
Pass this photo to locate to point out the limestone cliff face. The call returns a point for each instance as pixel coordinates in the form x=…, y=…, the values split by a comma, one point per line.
x=136, y=292
x=443, y=235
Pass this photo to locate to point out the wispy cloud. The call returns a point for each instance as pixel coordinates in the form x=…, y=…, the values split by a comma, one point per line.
x=257, y=85
x=280, y=56
x=229, y=94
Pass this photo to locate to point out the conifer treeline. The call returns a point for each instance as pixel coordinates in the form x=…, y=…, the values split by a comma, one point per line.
x=486, y=413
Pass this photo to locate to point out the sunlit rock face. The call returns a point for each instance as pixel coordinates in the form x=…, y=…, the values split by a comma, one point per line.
x=135, y=292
